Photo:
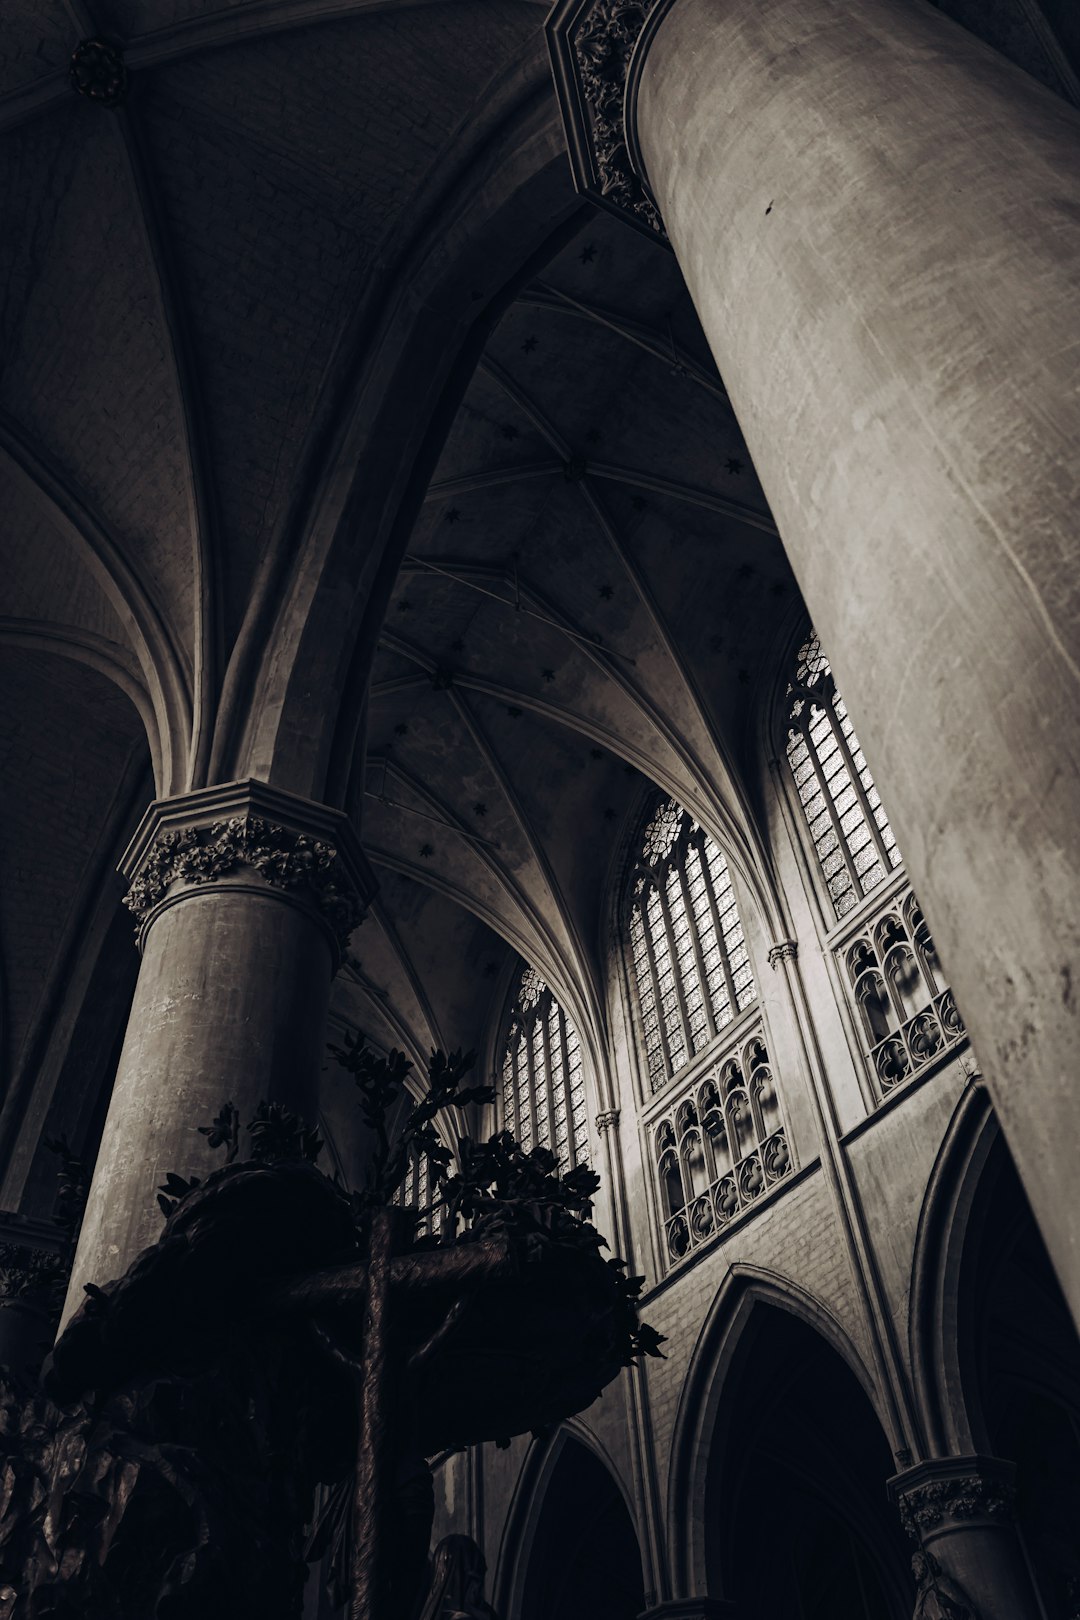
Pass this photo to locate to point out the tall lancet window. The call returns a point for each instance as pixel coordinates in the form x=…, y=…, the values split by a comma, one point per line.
x=906, y=1009
x=418, y=1191
x=543, y=1079
x=689, y=957
x=849, y=827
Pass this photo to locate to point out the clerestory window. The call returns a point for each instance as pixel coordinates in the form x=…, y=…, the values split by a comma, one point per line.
x=543, y=1077
x=418, y=1191
x=907, y=1011
x=855, y=845
x=688, y=954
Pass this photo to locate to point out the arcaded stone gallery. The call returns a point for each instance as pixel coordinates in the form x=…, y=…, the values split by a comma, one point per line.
x=540, y=860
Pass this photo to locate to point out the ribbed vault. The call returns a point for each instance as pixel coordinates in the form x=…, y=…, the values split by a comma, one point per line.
x=589, y=603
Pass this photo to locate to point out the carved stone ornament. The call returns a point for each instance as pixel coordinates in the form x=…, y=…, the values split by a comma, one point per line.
x=252, y=833
x=608, y=1120
x=284, y=859
x=785, y=951
x=26, y=1272
x=98, y=72
x=591, y=44
x=965, y=1496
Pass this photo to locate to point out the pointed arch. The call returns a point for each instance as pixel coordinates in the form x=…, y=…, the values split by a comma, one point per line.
x=705, y=1401
x=537, y=1481
x=942, y=1384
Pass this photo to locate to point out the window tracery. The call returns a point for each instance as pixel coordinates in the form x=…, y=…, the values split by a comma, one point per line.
x=719, y=1148
x=543, y=1077
x=908, y=1012
x=418, y=1191
x=850, y=830
x=688, y=953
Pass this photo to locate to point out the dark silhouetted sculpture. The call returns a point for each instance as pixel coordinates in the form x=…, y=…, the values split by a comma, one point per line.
x=938, y=1597
x=284, y=1334
x=457, y=1582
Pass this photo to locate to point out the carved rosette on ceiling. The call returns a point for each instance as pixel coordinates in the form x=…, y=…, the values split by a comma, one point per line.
x=272, y=838
x=98, y=72
x=935, y=1495
x=592, y=43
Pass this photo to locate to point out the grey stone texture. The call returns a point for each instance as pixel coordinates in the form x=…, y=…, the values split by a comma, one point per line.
x=351, y=462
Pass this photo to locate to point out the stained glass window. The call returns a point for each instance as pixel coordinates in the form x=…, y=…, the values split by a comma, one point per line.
x=543, y=1077
x=855, y=845
x=418, y=1191
x=687, y=950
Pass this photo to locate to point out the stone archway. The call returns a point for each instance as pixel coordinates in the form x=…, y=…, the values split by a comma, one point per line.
x=1024, y=1356
x=582, y=1557
x=796, y=1519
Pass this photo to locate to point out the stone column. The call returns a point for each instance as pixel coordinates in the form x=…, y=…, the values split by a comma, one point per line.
x=878, y=218
x=244, y=899
x=959, y=1513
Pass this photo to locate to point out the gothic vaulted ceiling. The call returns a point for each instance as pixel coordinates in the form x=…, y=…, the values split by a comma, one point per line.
x=591, y=593
x=589, y=603
x=576, y=589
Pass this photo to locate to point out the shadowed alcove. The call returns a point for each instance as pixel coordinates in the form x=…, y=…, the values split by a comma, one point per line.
x=799, y=1524
x=1023, y=1356
x=584, y=1561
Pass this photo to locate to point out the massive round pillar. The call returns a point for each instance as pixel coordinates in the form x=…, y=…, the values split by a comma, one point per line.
x=879, y=221
x=958, y=1512
x=244, y=897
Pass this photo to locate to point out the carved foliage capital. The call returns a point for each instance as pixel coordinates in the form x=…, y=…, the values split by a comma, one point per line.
x=282, y=858
x=592, y=42
x=786, y=950
x=608, y=1120
x=27, y=1273
x=961, y=1496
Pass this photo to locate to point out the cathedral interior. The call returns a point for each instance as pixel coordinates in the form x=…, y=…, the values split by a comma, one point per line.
x=486, y=452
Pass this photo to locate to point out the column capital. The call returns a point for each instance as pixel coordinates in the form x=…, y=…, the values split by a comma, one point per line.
x=597, y=47
x=250, y=836
x=608, y=1120
x=785, y=950
x=935, y=1497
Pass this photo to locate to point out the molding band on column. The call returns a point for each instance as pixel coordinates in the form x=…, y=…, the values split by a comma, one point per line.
x=597, y=50
x=254, y=838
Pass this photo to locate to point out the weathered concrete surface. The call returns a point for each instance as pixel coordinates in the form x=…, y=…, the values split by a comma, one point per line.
x=879, y=221
x=230, y=1005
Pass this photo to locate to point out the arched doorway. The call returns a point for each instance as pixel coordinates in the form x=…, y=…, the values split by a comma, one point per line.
x=799, y=1525
x=584, y=1560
